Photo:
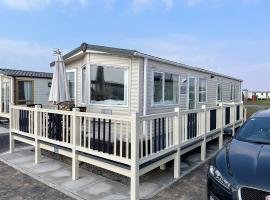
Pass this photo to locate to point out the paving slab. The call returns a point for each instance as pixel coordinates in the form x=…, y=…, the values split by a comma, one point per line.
x=57, y=174
x=3, y=130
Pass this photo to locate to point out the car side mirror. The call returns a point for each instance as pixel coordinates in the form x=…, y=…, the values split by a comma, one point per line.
x=228, y=131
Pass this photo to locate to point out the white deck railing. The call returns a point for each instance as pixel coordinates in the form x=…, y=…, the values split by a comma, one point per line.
x=141, y=143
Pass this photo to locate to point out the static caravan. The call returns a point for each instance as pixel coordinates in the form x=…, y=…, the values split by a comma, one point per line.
x=260, y=95
x=141, y=112
x=23, y=88
x=121, y=81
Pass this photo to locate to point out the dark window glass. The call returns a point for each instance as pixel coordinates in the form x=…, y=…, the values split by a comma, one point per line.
x=158, y=89
x=202, y=90
x=71, y=85
x=219, y=92
x=25, y=92
x=108, y=85
x=171, y=89
x=192, y=95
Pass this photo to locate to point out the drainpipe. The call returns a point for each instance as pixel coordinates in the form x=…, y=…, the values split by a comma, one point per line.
x=145, y=68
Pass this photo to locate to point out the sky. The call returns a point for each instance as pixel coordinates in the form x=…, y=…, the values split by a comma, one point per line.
x=226, y=36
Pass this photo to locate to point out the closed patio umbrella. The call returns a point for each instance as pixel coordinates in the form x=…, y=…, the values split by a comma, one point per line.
x=59, y=90
x=59, y=94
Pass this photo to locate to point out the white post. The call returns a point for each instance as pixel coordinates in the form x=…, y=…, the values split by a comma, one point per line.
x=203, y=146
x=135, y=174
x=221, y=118
x=11, y=137
x=75, y=137
x=234, y=117
x=177, y=133
x=145, y=95
x=36, y=133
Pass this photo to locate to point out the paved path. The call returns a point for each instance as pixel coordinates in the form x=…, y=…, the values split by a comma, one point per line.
x=190, y=187
x=15, y=185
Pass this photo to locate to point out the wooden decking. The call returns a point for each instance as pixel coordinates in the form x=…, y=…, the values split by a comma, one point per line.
x=128, y=145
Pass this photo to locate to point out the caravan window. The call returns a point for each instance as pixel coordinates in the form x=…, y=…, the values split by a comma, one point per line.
x=219, y=92
x=235, y=90
x=24, y=92
x=158, y=88
x=84, y=84
x=108, y=85
x=171, y=89
x=231, y=94
x=71, y=84
x=202, y=90
x=166, y=88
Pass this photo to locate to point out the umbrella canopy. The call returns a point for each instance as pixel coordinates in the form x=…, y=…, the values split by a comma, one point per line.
x=59, y=90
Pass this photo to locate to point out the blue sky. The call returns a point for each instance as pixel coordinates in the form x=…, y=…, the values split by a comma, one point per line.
x=227, y=36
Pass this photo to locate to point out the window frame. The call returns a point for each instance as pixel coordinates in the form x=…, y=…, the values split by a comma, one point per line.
x=205, y=90
x=195, y=92
x=234, y=93
x=84, y=99
x=231, y=92
x=153, y=104
x=75, y=83
x=221, y=90
x=17, y=100
x=126, y=83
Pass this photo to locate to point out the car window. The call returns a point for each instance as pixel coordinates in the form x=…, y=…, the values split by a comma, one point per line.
x=255, y=130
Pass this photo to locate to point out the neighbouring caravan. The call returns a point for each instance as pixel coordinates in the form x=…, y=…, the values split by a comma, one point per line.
x=133, y=113
x=21, y=87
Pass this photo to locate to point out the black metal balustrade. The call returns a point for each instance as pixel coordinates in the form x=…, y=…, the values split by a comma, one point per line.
x=227, y=115
x=213, y=119
x=192, y=125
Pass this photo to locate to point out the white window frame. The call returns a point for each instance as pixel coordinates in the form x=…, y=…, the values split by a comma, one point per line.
x=126, y=82
x=84, y=100
x=205, y=90
x=231, y=92
x=155, y=104
x=195, y=78
x=75, y=83
x=221, y=90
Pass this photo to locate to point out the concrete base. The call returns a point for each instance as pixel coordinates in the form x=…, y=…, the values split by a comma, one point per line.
x=92, y=186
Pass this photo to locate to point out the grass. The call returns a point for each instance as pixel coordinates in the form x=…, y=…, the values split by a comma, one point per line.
x=252, y=110
x=258, y=102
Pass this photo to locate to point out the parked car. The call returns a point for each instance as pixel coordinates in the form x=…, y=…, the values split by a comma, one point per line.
x=241, y=170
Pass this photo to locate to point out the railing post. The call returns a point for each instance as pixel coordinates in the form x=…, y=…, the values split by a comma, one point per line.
x=11, y=137
x=203, y=146
x=36, y=132
x=134, y=175
x=220, y=139
x=75, y=137
x=234, y=117
x=177, y=133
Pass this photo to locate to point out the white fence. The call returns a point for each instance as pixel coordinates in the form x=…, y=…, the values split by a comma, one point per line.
x=128, y=145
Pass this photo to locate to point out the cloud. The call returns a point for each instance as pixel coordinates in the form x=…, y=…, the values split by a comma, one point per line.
x=223, y=56
x=182, y=48
x=25, y=55
x=26, y=5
